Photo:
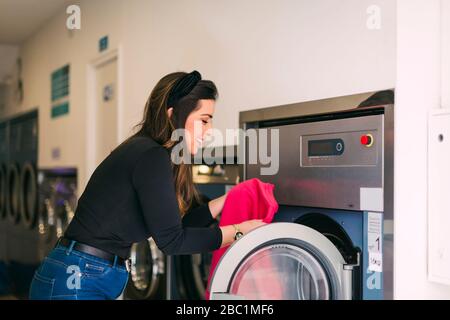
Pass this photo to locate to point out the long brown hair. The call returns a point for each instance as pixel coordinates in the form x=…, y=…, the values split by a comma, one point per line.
x=159, y=126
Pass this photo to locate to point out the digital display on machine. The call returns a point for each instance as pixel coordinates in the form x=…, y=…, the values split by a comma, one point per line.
x=328, y=147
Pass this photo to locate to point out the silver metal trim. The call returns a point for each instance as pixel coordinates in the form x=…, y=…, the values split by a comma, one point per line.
x=128, y=265
x=304, y=108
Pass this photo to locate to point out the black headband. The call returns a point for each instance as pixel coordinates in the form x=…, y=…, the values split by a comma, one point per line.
x=183, y=87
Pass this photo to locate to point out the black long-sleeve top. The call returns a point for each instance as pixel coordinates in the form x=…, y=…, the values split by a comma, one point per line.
x=131, y=197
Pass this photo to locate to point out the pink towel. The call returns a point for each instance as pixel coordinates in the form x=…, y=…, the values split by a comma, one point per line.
x=251, y=199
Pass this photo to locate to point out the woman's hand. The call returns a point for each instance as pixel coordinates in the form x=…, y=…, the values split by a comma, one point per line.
x=228, y=232
x=249, y=225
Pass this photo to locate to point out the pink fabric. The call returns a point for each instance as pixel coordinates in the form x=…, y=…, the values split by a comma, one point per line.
x=251, y=199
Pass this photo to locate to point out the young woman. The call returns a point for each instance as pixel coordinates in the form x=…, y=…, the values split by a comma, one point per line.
x=136, y=193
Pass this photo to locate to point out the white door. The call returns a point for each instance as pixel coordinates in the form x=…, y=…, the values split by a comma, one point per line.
x=282, y=261
x=106, y=113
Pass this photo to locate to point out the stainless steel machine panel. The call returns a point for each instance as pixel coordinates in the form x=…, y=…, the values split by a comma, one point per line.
x=341, y=149
x=324, y=163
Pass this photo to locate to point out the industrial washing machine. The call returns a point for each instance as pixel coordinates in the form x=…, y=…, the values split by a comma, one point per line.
x=56, y=206
x=332, y=237
x=147, y=278
x=18, y=202
x=218, y=173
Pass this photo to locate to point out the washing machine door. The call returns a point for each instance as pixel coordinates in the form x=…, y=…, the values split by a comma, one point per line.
x=28, y=195
x=283, y=261
x=147, y=269
x=12, y=192
x=192, y=275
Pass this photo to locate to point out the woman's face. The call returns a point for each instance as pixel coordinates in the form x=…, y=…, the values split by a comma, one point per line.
x=197, y=124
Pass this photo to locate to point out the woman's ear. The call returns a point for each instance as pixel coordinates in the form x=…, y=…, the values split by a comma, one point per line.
x=170, y=112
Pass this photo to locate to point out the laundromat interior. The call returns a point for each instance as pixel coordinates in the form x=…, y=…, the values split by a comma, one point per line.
x=348, y=102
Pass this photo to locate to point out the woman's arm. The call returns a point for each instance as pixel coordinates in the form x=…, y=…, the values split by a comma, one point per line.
x=228, y=233
x=216, y=206
x=153, y=181
x=199, y=216
x=205, y=214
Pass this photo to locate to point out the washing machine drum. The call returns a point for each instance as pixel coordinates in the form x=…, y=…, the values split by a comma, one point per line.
x=147, y=269
x=28, y=195
x=13, y=193
x=284, y=261
x=46, y=228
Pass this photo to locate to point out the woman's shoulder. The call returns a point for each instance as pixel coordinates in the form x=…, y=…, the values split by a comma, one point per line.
x=140, y=141
x=140, y=144
x=144, y=140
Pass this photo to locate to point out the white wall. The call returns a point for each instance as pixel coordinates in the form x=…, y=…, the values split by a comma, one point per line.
x=418, y=90
x=258, y=52
x=8, y=76
x=50, y=48
x=8, y=55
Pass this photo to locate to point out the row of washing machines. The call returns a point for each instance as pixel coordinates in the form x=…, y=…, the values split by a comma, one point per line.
x=37, y=201
x=18, y=194
x=18, y=157
x=29, y=234
x=36, y=205
x=18, y=201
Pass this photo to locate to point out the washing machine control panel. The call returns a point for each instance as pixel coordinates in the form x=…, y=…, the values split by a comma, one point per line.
x=325, y=147
x=354, y=148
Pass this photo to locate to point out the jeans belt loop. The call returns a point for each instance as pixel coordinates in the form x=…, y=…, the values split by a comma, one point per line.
x=69, y=250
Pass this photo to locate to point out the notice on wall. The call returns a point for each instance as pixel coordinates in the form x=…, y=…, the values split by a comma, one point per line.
x=374, y=241
x=60, y=91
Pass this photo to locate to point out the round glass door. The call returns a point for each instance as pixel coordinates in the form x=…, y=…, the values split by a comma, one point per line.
x=283, y=272
x=141, y=266
x=147, y=267
x=282, y=261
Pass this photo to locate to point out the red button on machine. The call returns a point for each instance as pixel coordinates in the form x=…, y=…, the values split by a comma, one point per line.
x=367, y=140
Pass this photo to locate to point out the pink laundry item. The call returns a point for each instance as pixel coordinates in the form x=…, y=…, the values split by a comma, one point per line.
x=251, y=199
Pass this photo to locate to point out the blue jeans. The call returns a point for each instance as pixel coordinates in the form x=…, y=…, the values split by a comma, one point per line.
x=67, y=274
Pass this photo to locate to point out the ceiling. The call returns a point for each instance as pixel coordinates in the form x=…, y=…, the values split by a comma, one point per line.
x=20, y=18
